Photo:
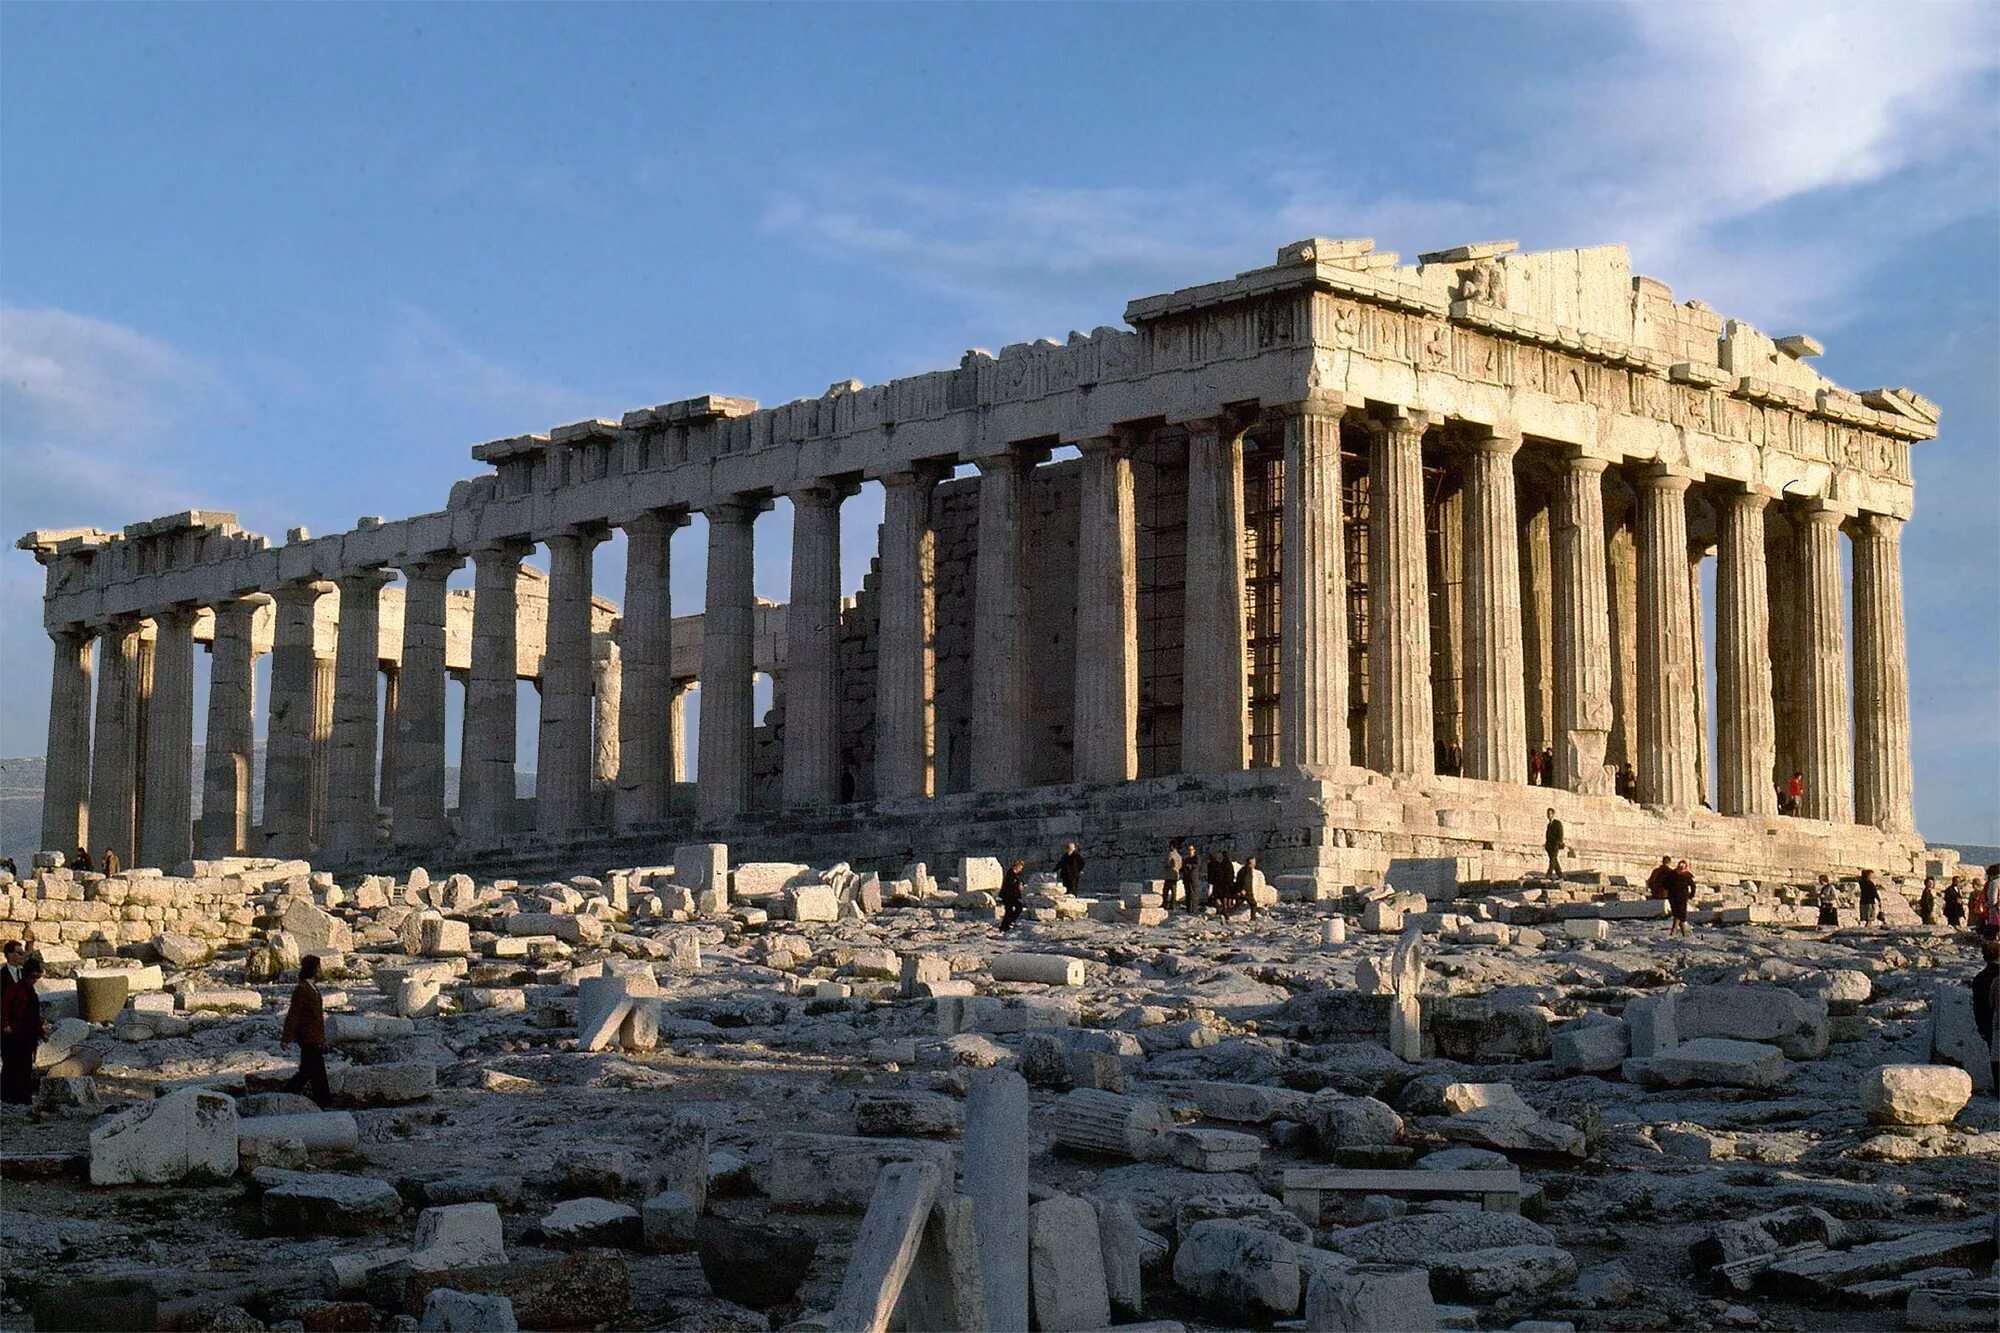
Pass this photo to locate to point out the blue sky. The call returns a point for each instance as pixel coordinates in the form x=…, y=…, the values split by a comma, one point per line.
x=293, y=261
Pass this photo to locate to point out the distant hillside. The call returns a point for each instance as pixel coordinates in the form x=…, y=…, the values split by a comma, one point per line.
x=21, y=783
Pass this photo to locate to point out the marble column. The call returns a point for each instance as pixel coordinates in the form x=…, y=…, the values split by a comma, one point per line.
x=646, y=671
x=66, y=781
x=386, y=766
x=114, y=752
x=677, y=730
x=1000, y=728
x=1444, y=556
x=1537, y=634
x=351, y=809
x=1781, y=566
x=1744, y=724
x=418, y=781
x=1399, y=627
x=1666, y=764
x=607, y=694
x=166, y=833
x=725, y=772
x=230, y=740
x=562, y=770
x=1621, y=574
x=289, y=729
x=1881, y=677
x=904, y=652
x=1580, y=624
x=1496, y=724
x=320, y=798
x=486, y=792
x=1215, y=681
x=1106, y=688
x=812, y=650
x=1824, y=715
x=1312, y=573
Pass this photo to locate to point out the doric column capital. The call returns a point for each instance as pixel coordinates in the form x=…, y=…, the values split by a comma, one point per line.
x=921, y=474
x=1581, y=464
x=735, y=509
x=177, y=616
x=576, y=536
x=820, y=491
x=1395, y=419
x=1879, y=527
x=1118, y=444
x=437, y=566
x=362, y=580
x=1501, y=441
x=1316, y=403
x=500, y=553
x=1744, y=499
x=1660, y=479
x=305, y=593
x=655, y=522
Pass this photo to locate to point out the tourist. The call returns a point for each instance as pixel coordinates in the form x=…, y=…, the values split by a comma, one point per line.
x=7, y=864
x=1829, y=902
x=1243, y=890
x=82, y=861
x=1927, y=901
x=1069, y=867
x=1987, y=920
x=1871, y=897
x=1982, y=1006
x=1661, y=879
x=1534, y=767
x=1795, y=792
x=1626, y=783
x=20, y=1034
x=1170, y=883
x=1680, y=889
x=16, y=955
x=1190, y=879
x=1954, y=905
x=305, y=1023
x=1548, y=757
x=1553, y=844
x=1221, y=880
x=110, y=861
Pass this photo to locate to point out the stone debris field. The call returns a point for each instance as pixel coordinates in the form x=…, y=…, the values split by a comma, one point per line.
x=705, y=1096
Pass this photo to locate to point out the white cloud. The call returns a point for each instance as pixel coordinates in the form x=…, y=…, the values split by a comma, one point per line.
x=1689, y=145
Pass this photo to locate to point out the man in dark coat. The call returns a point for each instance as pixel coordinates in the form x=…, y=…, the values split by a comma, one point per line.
x=1069, y=867
x=1954, y=905
x=1661, y=879
x=1680, y=890
x=1553, y=844
x=305, y=1023
x=1190, y=878
x=20, y=1034
x=1221, y=880
x=1011, y=895
x=1927, y=903
x=1243, y=892
x=1985, y=991
x=1871, y=896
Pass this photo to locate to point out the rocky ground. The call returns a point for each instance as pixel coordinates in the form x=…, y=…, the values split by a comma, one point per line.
x=1703, y=1132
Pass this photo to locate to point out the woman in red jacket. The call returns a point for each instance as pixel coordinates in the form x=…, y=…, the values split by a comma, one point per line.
x=20, y=1034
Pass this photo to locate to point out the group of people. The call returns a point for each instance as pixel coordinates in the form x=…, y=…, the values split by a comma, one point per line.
x=1675, y=883
x=1975, y=906
x=1230, y=886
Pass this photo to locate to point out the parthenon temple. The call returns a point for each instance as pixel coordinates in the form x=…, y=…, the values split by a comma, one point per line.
x=1311, y=560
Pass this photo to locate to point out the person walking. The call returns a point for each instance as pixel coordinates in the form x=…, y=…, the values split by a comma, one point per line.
x=1221, y=880
x=1680, y=890
x=1829, y=903
x=1011, y=897
x=1927, y=901
x=1553, y=844
x=1983, y=997
x=1954, y=905
x=1871, y=897
x=1795, y=792
x=1190, y=879
x=1243, y=890
x=1069, y=867
x=1661, y=879
x=15, y=954
x=20, y=1034
x=305, y=1023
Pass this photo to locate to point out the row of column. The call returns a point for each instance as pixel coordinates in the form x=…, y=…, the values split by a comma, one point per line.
x=97, y=784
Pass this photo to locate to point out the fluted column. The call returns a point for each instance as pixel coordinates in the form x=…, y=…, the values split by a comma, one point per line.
x=114, y=752
x=229, y=748
x=1496, y=725
x=1781, y=567
x=1106, y=728
x=351, y=811
x=166, y=835
x=1215, y=681
x=607, y=694
x=1000, y=628
x=646, y=670
x=418, y=780
x=1312, y=571
x=66, y=784
x=1744, y=727
x=320, y=798
x=903, y=647
x=723, y=779
x=1399, y=629
x=1666, y=644
x=486, y=785
x=1698, y=677
x=1881, y=677
x=1580, y=702
x=1824, y=716
x=677, y=730
x=289, y=732
x=562, y=770
x=1537, y=635
x=812, y=650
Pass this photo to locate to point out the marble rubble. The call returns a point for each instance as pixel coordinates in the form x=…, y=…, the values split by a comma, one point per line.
x=1094, y=1120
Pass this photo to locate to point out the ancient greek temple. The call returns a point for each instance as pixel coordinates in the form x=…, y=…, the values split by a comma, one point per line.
x=1316, y=560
